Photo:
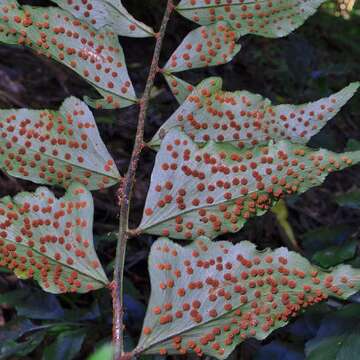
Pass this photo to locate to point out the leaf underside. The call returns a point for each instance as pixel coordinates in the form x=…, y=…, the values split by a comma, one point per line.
x=50, y=240
x=210, y=296
x=180, y=88
x=272, y=19
x=216, y=189
x=247, y=119
x=95, y=55
x=205, y=46
x=100, y=13
x=56, y=147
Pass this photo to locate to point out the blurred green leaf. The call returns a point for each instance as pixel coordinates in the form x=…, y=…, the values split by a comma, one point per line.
x=33, y=303
x=281, y=212
x=337, y=337
x=13, y=331
x=103, y=353
x=355, y=262
x=307, y=325
x=350, y=199
x=352, y=145
x=89, y=313
x=66, y=346
x=16, y=328
x=23, y=348
x=325, y=236
x=335, y=255
x=279, y=350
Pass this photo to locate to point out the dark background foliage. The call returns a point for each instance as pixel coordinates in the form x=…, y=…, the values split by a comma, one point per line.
x=319, y=58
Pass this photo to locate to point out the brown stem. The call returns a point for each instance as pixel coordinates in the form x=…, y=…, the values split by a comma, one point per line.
x=125, y=193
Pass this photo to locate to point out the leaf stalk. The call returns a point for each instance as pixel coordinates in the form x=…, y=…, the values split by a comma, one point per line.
x=125, y=194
